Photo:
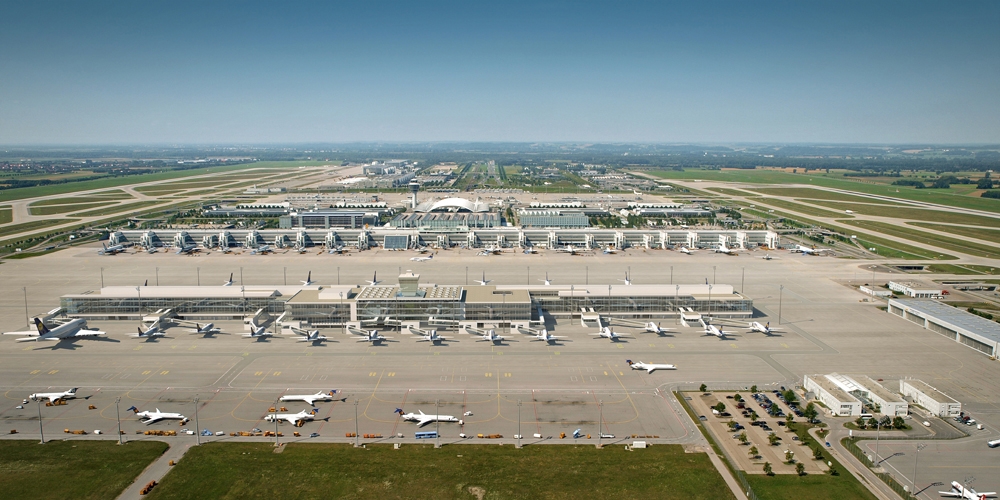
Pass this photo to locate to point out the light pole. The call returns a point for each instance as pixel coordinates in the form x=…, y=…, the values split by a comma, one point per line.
x=284, y=273
x=197, y=431
x=466, y=275
x=157, y=276
x=118, y=415
x=356, y=442
x=275, y=417
x=102, y=277
x=518, y=423
x=709, y=300
x=338, y=275
x=241, y=275
x=40, y=431
x=743, y=279
x=27, y=318
x=781, y=290
x=873, y=275
x=878, y=429
x=199, y=275
x=671, y=275
x=529, y=275
x=243, y=292
x=343, y=321
x=916, y=456
x=437, y=422
x=600, y=423
x=139, y=293
x=713, y=275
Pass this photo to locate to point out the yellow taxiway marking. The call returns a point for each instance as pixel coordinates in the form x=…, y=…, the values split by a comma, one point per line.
x=507, y=374
x=436, y=353
x=489, y=374
x=621, y=346
x=276, y=374
x=734, y=346
x=499, y=353
x=246, y=353
x=372, y=374
x=35, y=372
x=164, y=372
x=652, y=345
x=622, y=374
x=670, y=346
x=147, y=372
x=605, y=373
x=257, y=374
x=53, y=372
x=136, y=348
x=784, y=345
x=390, y=374
x=556, y=353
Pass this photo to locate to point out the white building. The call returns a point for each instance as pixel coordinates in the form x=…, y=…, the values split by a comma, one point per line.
x=839, y=402
x=934, y=400
x=889, y=402
x=916, y=290
x=963, y=327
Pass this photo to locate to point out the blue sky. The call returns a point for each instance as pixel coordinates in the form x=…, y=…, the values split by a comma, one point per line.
x=269, y=72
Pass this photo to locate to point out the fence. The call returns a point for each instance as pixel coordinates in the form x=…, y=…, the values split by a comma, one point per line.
x=851, y=445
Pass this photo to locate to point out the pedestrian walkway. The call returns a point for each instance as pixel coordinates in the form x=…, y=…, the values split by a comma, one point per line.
x=156, y=470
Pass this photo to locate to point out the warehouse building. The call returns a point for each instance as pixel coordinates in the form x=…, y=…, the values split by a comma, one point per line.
x=930, y=398
x=875, y=394
x=831, y=394
x=916, y=290
x=966, y=328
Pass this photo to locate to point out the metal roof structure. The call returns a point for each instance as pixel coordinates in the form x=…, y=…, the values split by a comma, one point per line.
x=955, y=316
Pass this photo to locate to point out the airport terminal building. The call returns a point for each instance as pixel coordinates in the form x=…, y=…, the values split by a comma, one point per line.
x=409, y=301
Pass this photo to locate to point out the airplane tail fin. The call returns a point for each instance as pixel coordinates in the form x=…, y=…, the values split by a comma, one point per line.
x=399, y=411
x=73, y=390
x=42, y=329
x=629, y=361
x=132, y=409
x=146, y=283
x=332, y=392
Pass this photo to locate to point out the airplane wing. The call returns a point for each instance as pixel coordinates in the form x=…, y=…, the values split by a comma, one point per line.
x=950, y=494
x=88, y=333
x=356, y=331
x=424, y=421
x=27, y=333
x=151, y=420
x=651, y=369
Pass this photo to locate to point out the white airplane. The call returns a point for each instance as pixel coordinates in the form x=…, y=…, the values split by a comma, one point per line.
x=422, y=259
x=722, y=248
x=71, y=329
x=292, y=418
x=610, y=250
x=487, y=335
x=686, y=250
x=208, y=329
x=655, y=328
x=186, y=249
x=309, y=279
x=804, y=250
x=423, y=419
x=491, y=250
x=310, y=336
x=649, y=367
x=570, y=249
x=768, y=256
x=484, y=281
x=959, y=491
x=715, y=330
x=151, y=250
x=230, y=282
x=111, y=250
x=627, y=280
x=530, y=250
x=151, y=332
x=155, y=416
x=257, y=332
x=608, y=333
x=301, y=249
x=427, y=335
x=765, y=329
x=310, y=399
x=369, y=335
x=374, y=281
x=547, y=281
x=543, y=335
x=54, y=396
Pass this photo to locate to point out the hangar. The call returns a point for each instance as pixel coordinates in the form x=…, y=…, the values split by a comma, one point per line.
x=966, y=328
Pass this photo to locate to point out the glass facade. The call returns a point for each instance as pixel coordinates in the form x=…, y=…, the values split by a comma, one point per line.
x=128, y=307
x=410, y=310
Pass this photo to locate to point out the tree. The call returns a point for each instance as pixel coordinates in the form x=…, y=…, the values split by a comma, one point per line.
x=703, y=388
x=767, y=469
x=872, y=422
x=753, y=388
x=817, y=454
x=732, y=425
x=789, y=456
x=885, y=421
x=721, y=407
x=800, y=469
x=773, y=439
x=773, y=410
x=753, y=452
x=898, y=423
x=743, y=438
x=985, y=182
x=738, y=398
x=860, y=422
x=810, y=412
x=790, y=396
x=753, y=416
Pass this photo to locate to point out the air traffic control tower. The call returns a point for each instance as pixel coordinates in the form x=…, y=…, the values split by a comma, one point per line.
x=414, y=187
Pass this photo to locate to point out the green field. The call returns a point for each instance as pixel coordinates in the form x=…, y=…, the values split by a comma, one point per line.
x=29, y=226
x=788, y=205
x=126, y=207
x=913, y=213
x=253, y=470
x=817, y=194
x=72, y=469
x=62, y=209
x=80, y=199
x=928, y=238
x=972, y=232
x=954, y=269
x=6, y=215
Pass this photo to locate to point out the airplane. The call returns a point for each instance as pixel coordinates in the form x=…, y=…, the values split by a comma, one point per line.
x=111, y=250
x=765, y=329
x=607, y=333
x=257, y=332
x=570, y=249
x=422, y=259
x=768, y=256
x=310, y=399
x=309, y=279
x=54, y=396
x=428, y=335
x=187, y=249
x=491, y=250
x=610, y=250
x=71, y=329
x=374, y=281
x=339, y=249
x=208, y=329
x=959, y=491
x=151, y=332
x=649, y=367
x=547, y=281
x=423, y=419
x=230, y=282
x=301, y=250
x=655, y=328
x=530, y=250
x=722, y=248
x=369, y=335
x=686, y=250
x=487, y=335
x=310, y=336
x=151, y=250
x=627, y=280
x=421, y=250
x=484, y=281
x=804, y=250
x=292, y=418
x=262, y=250
x=441, y=321
x=715, y=330
x=543, y=335
x=156, y=416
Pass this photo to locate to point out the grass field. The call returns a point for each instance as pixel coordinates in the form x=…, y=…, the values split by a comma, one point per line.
x=914, y=214
x=80, y=199
x=6, y=215
x=924, y=237
x=798, y=207
x=817, y=194
x=952, y=269
x=62, y=209
x=972, y=232
x=72, y=469
x=126, y=207
x=30, y=226
x=252, y=470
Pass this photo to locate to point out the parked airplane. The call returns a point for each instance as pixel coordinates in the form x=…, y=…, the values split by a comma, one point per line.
x=649, y=367
x=369, y=335
x=804, y=250
x=765, y=329
x=627, y=280
x=610, y=249
x=428, y=335
x=570, y=249
x=71, y=329
x=310, y=336
x=374, y=281
x=768, y=256
x=959, y=491
x=686, y=250
x=486, y=335
x=208, y=329
x=484, y=281
x=257, y=332
x=608, y=333
x=151, y=250
x=292, y=418
x=423, y=419
x=722, y=248
x=155, y=416
x=54, y=396
x=715, y=330
x=151, y=332
x=230, y=282
x=547, y=281
x=111, y=250
x=422, y=259
x=309, y=279
x=530, y=250
x=310, y=399
x=187, y=249
x=542, y=335
x=655, y=328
